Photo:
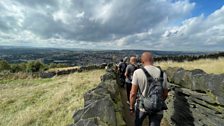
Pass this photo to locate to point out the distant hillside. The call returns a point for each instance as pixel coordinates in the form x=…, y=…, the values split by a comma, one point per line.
x=77, y=57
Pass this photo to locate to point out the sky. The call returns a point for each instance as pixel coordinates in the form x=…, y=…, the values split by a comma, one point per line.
x=172, y=25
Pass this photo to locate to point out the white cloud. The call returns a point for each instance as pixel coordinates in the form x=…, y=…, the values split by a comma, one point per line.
x=142, y=24
x=61, y=16
x=199, y=32
x=80, y=15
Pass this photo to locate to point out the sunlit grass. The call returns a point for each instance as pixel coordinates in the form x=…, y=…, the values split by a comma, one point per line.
x=44, y=102
x=66, y=68
x=208, y=65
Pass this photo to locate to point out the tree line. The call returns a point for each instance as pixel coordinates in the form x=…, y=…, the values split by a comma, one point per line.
x=30, y=67
x=183, y=58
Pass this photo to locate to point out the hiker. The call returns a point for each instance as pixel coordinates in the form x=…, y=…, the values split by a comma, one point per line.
x=129, y=74
x=149, y=90
x=121, y=71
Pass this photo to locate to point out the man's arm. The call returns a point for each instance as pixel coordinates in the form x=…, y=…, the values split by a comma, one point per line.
x=126, y=71
x=134, y=90
x=126, y=74
x=133, y=94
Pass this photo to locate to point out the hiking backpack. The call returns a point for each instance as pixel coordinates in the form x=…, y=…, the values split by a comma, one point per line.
x=153, y=101
x=122, y=68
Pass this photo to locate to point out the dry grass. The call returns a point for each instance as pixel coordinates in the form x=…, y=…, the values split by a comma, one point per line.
x=44, y=102
x=215, y=66
x=66, y=68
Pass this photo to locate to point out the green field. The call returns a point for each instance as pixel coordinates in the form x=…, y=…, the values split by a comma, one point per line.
x=44, y=102
x=215, y=66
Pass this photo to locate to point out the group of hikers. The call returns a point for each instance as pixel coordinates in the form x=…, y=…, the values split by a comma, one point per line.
x=146, y=87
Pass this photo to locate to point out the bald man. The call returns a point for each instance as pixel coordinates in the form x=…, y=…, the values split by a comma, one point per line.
x=129, y=75
x=141, y=85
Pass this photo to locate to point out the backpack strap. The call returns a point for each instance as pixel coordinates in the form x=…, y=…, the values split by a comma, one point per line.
x=148, y=76
x=161, y=73
x=161, y=77
x=135, y=66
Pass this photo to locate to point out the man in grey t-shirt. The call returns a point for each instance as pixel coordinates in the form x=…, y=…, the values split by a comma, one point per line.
x=129, y=75
x=139, y=82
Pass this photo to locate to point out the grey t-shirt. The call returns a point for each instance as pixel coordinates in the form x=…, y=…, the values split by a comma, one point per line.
x=130, y=71
x=139, y=78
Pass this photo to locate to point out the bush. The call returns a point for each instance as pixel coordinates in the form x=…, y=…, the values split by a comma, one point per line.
x=31, y=67
x=18, y=67
x=4, y=65
x=35, y=66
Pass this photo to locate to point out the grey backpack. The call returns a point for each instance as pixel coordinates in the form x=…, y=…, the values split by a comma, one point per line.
x=153, y=101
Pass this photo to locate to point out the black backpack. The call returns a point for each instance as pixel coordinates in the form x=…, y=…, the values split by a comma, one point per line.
x=153, y=101
x=122, y=68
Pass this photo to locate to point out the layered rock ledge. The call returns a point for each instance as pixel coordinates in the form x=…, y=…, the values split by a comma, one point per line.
x=195, y=98
x=102, y=105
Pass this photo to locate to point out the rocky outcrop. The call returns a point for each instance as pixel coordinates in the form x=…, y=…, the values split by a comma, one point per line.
x=102, y=105
x=195, y=98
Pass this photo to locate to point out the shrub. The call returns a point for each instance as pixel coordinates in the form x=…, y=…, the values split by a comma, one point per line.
x=18, y=67
x=4, y=65
x=35, y=66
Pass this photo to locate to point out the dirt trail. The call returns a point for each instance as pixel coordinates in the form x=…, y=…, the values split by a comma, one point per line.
x=129, y=119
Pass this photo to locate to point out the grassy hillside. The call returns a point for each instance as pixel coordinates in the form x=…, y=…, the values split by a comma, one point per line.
x=208, y=65
x=44, y=102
